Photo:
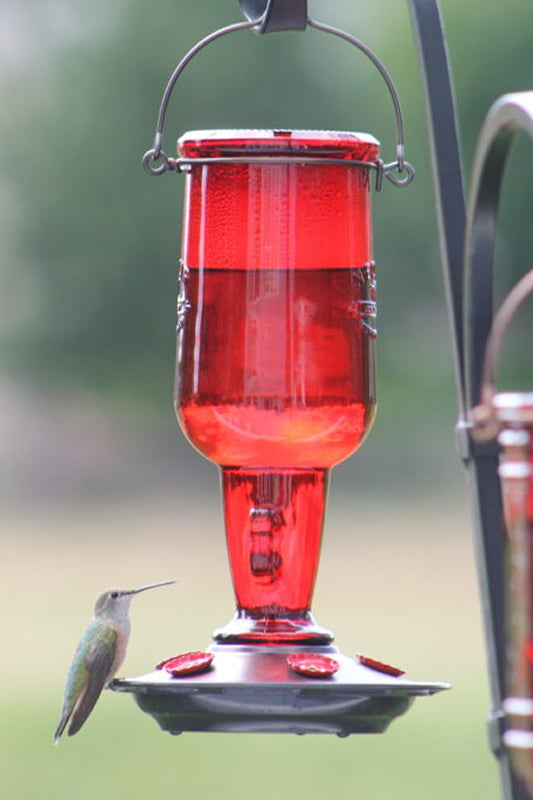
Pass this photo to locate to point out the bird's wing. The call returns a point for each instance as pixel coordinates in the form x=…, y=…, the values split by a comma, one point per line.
x=76, y=678
x=98, y=662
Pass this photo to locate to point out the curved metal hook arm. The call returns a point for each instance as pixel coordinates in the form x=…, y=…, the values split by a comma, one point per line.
x=276, y=15
x=510, y=115
x=483, y=416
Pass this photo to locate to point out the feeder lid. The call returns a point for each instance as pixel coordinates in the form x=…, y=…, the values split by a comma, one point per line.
x=320, y=144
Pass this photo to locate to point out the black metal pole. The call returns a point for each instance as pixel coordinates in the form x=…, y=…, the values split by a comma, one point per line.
x=481, y=460
x=469, y=300
x=446, y=161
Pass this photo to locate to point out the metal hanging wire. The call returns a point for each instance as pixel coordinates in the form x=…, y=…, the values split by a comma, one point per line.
x=400, y=172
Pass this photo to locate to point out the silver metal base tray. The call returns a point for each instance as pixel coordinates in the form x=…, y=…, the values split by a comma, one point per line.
x=251, y=689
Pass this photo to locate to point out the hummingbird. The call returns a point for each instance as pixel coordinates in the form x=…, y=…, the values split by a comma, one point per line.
x=98, y=656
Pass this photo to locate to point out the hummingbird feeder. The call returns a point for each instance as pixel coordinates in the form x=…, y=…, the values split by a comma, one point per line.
x=275, y=383
x=509, y=416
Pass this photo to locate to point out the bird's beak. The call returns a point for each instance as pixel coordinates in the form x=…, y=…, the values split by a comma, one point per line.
x=150, y=586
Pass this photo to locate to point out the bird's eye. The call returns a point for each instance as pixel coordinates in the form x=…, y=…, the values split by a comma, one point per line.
x=113, y=595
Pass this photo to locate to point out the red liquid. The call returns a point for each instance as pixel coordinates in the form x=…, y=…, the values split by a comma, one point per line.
x=274, y=523
x=275, y=384
x=276, y=368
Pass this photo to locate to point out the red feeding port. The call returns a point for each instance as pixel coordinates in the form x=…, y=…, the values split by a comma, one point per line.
x=187, y=663
x=380, y=666
x=313, y=665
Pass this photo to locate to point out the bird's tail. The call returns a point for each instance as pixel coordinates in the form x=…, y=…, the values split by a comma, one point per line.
x=60, y=728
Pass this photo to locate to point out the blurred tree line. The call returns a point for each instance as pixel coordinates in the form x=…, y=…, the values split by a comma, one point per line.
x=91, y=242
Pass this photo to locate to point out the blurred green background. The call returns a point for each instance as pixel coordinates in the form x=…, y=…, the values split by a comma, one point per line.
x=97, y=485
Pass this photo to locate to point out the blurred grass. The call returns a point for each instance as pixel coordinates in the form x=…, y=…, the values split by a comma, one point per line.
x=397, y=581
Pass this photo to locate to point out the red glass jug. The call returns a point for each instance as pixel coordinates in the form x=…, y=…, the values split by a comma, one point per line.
x=275, y=377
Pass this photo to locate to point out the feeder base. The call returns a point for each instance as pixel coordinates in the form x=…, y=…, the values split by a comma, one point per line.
x=251, y=689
